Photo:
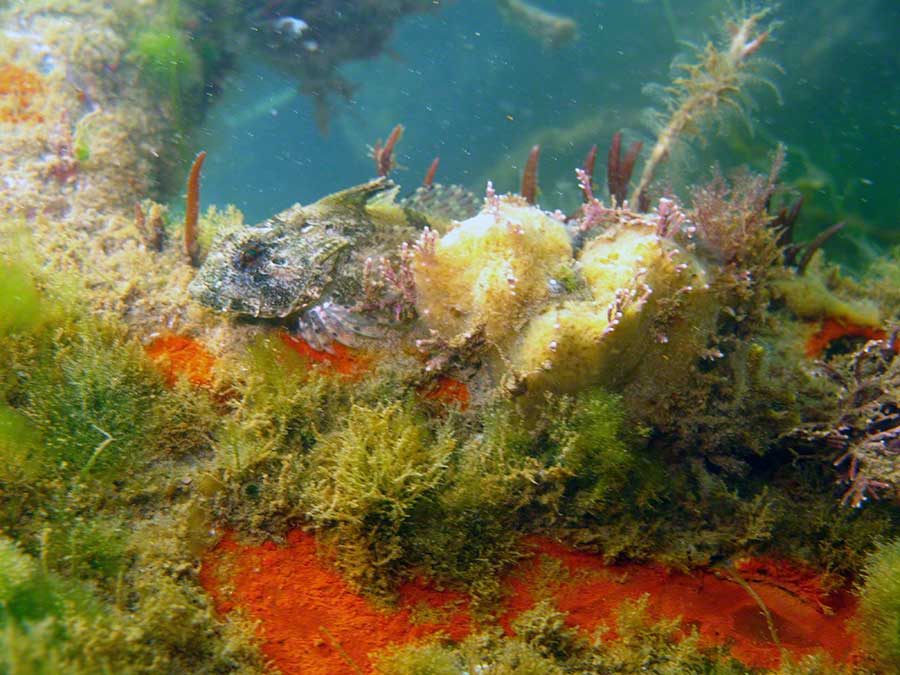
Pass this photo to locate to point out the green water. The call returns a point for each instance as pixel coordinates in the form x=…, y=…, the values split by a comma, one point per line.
x=477, y=91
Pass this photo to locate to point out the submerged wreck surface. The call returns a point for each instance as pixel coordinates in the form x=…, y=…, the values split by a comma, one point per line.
x=489, y=439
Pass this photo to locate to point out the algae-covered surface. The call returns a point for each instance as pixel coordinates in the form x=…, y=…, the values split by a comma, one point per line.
x=601, y=389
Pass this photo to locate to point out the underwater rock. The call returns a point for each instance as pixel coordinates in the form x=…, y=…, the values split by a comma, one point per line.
x=311, y=40
x=552, y=30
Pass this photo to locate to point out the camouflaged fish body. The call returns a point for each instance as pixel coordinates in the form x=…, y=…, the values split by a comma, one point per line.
x=305, y=265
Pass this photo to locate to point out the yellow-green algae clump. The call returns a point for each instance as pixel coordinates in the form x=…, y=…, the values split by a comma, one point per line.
x=879, y=611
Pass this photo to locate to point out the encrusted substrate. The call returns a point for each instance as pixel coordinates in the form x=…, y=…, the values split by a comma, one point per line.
x=89, y=151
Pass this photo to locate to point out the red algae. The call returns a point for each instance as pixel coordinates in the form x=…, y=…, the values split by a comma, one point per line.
x=341, y=359
x=449, y=391
x=181, y=356
x=834, y=329
x=312, y=622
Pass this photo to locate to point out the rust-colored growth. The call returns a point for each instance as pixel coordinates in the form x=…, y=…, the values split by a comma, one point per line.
x=619, y=169
x=18, y=89
x=428, y=181
x=384, y=154
x=180, y=356
x=448, y=391
x=261, y=579
x=707, y=600
x=590, y=163
x=192, y=211
x=341, y=360
x=831, y=330
x=530, y=175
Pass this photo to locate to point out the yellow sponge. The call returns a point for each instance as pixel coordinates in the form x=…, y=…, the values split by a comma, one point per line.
x=650, y=306
x=493, y=270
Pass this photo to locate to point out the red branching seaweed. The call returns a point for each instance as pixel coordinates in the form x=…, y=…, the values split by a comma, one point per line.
x=530, y=175
x=384, y=154
x=864, y=427
x=428, y=181
x=619, y=169
x=612, y=163
x=627, y=166
x=192, y=211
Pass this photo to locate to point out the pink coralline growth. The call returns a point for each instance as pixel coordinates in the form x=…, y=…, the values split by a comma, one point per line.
x=391, y=285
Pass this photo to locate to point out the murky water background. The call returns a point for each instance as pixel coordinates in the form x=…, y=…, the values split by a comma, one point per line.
x=477, y=92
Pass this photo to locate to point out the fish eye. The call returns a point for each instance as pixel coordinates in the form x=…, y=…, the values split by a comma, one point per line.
x=248, y=257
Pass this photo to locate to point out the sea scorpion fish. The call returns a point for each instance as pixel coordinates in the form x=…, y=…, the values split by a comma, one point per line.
x=305, y=265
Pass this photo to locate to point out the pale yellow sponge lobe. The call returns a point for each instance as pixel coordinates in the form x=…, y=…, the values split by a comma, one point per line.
x=493, y=270
x=615, y=259
x=650, y=307
x=565, y=348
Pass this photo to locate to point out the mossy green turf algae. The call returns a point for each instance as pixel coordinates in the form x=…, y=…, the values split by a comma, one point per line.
x=879, y=609
x=90, y=438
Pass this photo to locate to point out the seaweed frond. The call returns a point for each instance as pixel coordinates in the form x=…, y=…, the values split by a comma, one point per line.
x=192, y=210
x=530, y=175
x=715, y=80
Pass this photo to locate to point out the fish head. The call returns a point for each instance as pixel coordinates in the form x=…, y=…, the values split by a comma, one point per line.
x=271, y=270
